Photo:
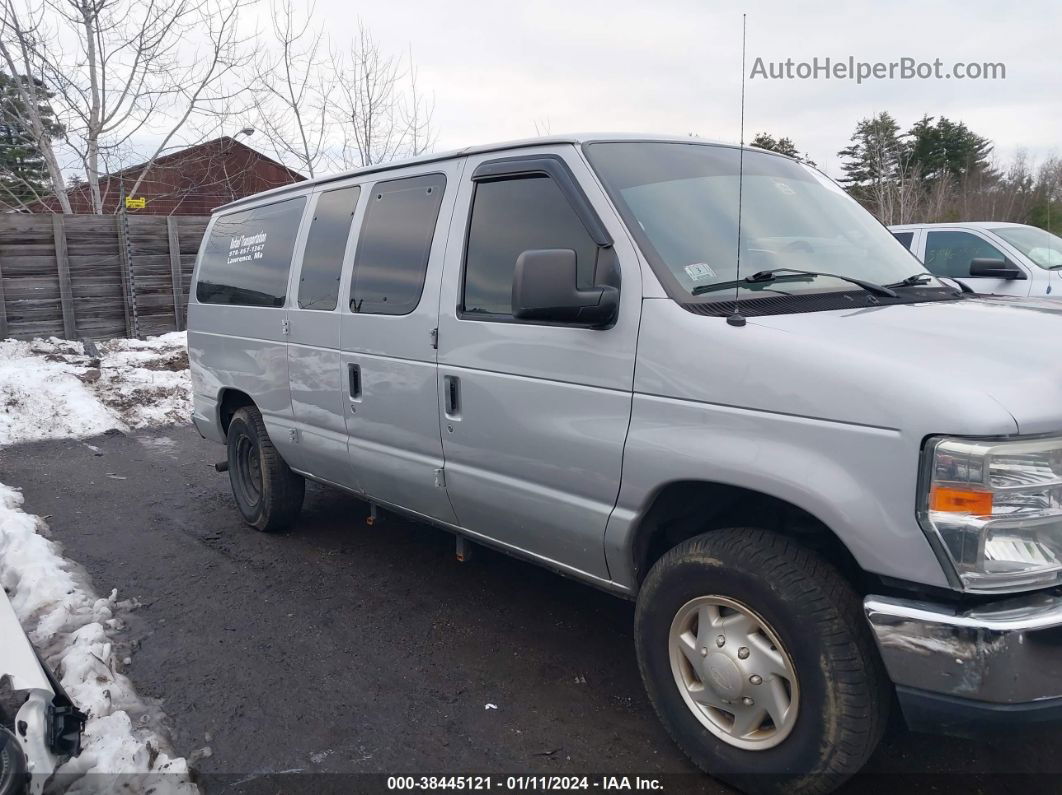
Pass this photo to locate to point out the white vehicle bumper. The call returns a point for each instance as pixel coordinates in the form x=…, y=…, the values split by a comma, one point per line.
x=47, y=726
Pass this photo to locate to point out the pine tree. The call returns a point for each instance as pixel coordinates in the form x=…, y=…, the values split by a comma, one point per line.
x=878, y=172
x=875, y=153
x=947, y=149
x=783, y=146
x=23, y=173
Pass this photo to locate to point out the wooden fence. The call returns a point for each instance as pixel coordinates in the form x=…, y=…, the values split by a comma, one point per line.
x=95, y=276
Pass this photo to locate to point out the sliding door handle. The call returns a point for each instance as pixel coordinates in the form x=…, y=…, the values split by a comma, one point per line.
x=452, y=386
x=354, y=379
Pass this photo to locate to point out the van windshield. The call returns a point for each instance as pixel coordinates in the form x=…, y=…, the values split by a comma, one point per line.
x=681, y=203
x=1039, y=245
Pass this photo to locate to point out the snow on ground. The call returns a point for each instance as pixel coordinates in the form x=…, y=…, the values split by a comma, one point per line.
x=73, y=630
x=54, y=388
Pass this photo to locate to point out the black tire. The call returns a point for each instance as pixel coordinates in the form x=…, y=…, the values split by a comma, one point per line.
x=14, y=769
x=844, y=694
x=268, y=494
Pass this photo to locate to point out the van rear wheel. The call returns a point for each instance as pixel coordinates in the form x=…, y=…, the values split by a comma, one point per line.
x=759, y=662
x=268, y=494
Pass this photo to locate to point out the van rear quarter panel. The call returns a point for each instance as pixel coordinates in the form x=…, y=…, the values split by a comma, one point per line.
x=243, y=348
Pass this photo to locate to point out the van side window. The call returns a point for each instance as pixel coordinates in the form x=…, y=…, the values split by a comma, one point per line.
x=905, y=238
x=248, y=255
x=322, y=262
x=509, y=217
x=394, y=245
x=949, y=253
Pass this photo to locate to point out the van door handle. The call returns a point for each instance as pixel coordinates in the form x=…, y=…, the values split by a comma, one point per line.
x=354, y=377
x=453, y=395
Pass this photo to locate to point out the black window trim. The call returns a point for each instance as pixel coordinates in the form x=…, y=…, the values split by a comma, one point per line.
x=305, y=196
x=552, y=166
x=367, y=190
x=506, y=169
x=309, y=227
x=899, y=232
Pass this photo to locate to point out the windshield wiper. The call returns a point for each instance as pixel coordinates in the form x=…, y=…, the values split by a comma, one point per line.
x=769, y=276
x=911, y=281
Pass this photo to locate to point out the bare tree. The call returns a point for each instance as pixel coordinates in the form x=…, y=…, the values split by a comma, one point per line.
x=121, y=70
x=18, y=37
x=907, y=192
x=295, y=84
x=883, y=157
x=418, y=111
x=200, y=87
x=936, y=200
x=323, y=105
x=1049, y=185
x=381, y=111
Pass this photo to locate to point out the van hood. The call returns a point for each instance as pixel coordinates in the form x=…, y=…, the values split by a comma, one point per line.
x=966, y=367
x=1007, y=350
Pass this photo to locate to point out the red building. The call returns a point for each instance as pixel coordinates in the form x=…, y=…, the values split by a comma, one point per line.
x=192, y=181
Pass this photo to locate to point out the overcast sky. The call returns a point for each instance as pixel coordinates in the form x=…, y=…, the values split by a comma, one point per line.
x=496, y=68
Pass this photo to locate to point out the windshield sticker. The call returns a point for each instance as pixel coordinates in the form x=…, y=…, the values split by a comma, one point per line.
x=699, y=271
x=783, y=187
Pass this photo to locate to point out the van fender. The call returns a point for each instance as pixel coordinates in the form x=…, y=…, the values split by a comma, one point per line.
x=859, y=481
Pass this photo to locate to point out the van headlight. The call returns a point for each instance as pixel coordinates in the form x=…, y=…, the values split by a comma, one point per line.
x=996, y=506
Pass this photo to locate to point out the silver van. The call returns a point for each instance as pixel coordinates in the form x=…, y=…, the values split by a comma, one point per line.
x=696, y=376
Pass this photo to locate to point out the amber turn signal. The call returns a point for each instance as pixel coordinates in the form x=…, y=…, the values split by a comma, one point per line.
x=949, y=500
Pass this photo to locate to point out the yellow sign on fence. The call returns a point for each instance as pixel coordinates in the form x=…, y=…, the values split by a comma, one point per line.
x=135, y=204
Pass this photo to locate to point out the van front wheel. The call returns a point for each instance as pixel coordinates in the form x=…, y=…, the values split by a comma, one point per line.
x=268, y=494
x=759, y=662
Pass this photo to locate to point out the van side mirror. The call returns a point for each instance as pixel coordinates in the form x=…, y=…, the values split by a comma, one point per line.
x=996, y=269
x=545, y=289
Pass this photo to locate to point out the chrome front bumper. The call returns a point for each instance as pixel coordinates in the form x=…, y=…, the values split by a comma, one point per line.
x=1003, y=654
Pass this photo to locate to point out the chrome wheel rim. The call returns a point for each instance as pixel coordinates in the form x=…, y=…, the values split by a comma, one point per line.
x=733, y=672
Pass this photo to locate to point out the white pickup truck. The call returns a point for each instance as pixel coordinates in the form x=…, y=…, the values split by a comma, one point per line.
x=989, y=257
x=46, y=728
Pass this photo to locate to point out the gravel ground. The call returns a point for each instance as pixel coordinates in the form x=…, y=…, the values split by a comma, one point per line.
x=341, y=648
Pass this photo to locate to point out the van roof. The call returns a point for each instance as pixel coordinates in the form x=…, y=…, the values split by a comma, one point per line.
x=574, y=138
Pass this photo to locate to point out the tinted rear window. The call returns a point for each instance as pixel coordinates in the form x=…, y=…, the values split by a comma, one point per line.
x=248, y=254
x=394, y=245
x=904, y=237
x=323, y=259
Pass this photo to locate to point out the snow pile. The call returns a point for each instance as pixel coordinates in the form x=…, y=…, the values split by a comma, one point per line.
x=54, y=388
x=71, y=626
x=41, y=398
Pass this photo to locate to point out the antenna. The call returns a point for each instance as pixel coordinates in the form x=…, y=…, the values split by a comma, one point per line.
x=737, y=319
x=1050, y=234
